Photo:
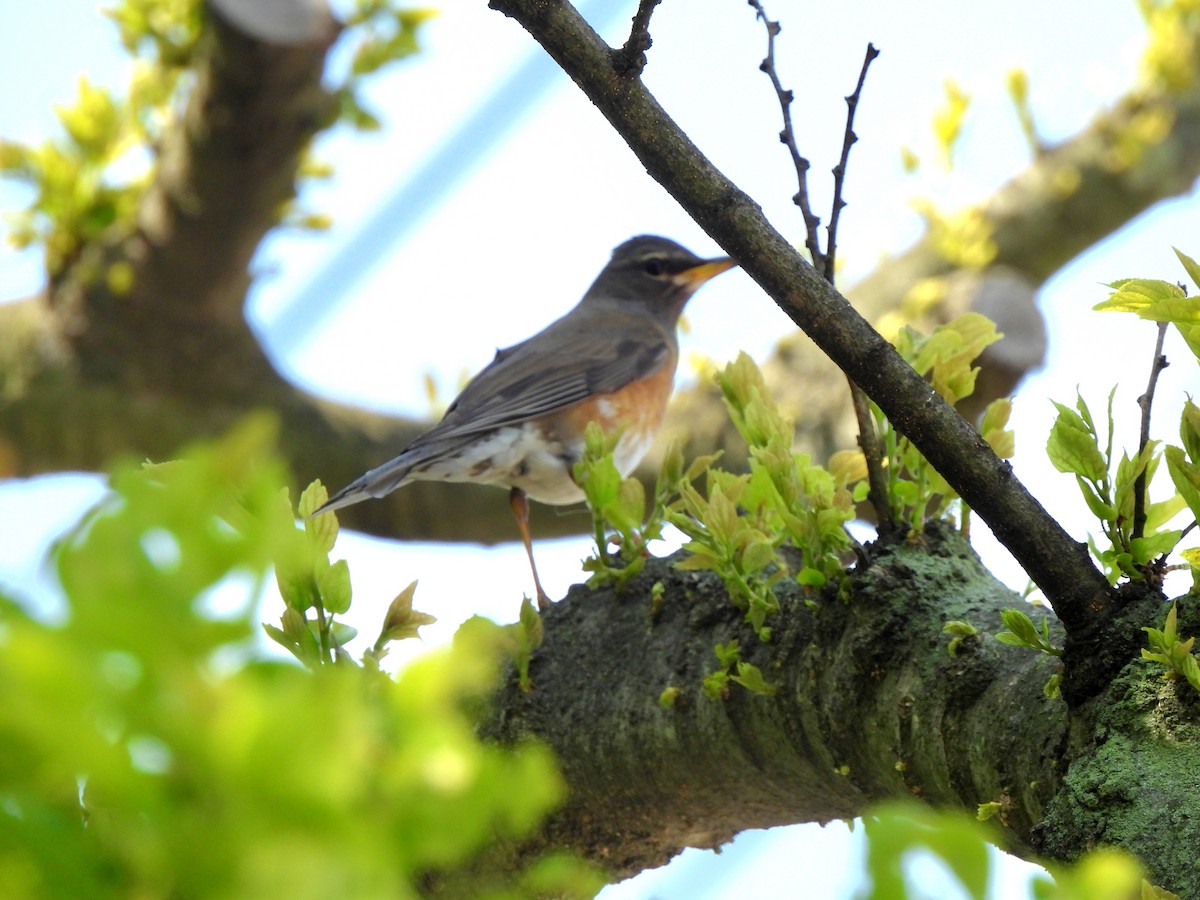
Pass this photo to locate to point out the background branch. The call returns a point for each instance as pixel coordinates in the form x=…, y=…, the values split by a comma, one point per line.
x=64, y=409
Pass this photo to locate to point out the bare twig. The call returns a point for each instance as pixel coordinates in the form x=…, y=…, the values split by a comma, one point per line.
x=839, y=171
x=812, y=222
x=630, y=60
x=1146, y=401
x=823, y=262
x=868, y=441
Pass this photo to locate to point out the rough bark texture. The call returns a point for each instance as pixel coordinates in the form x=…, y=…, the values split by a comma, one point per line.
x=870, y=705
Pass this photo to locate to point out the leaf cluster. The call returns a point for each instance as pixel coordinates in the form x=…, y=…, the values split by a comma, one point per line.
x=1021, y=632
x=619, y=510
x=896, y=832
x=1111, y=486
x=310, y=583
x=946, y=358
x=147, y=748
x=739, y=525
x=90, y=181
x=732, y=669
x=1172, y=652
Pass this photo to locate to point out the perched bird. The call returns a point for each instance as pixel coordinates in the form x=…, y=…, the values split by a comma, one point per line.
x=520, y=422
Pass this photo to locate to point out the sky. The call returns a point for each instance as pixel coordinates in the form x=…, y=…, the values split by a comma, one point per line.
x=473, y=219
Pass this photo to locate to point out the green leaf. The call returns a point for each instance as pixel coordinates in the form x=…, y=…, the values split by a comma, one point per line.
x=334, y=584
x=1151, y=547
x=1020, y=625
x=1189, y=264
x=1137, y=294
x=1186, y=476
x=669, y=696
x=1189, y=430
x=728, y=653
x=751, y=678
x=894, y=830
x=401, y=621
x=959, y=628
x=1072, y=446
x=1101, y=510
x=716, y=685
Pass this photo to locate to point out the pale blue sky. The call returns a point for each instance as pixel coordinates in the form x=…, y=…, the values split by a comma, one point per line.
x=524, y=232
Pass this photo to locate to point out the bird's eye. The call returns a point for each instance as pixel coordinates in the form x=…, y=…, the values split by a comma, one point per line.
x=655, y=267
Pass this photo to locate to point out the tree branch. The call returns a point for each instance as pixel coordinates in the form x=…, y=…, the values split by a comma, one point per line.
x=630, y=60
x=1146, y=403
x=860, y=714
x=839, y=171
x=1061, y=567
x=1037, y=222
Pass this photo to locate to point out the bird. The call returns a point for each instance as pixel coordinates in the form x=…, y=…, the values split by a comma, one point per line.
x=520, y=422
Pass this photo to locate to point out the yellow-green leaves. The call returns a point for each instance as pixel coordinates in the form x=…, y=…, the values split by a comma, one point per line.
x=91, y=179
x=945, y=357
x=1021, y=632
x=382, y=34
x=1074, y=448
x=147, y=748
x=1183, y=463
x=1018, y=92
x=310, y=584
x=1169, y=61
x=399, y=623
x=948, y=121
x=527, y=634
x=958, y=631
x=1172, y=652
x=895, y=830
x=617, y=503
x=732, y=668
x=1161, y=301
x=737, y=526
x=1164, y=302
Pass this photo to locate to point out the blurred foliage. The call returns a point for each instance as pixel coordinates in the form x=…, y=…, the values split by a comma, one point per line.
x=148, y=749
x=898, y=833
x=90, y=180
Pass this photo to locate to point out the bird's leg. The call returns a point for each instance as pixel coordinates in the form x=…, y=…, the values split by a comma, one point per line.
x=519, y=504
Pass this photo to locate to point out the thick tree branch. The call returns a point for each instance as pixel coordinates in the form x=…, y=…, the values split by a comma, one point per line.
x=1060, y=566
x=861, y=714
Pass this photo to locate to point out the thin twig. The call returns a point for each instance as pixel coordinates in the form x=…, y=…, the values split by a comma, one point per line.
x=630, y=60
x=868, y=442
x=823, y=262
x=839, y=171
x=812, y=222
x=1146, y=401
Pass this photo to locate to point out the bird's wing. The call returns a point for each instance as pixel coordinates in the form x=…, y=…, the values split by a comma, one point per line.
x=550, y=372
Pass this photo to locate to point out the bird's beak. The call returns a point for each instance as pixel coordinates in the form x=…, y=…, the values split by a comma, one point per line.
x=694, y=277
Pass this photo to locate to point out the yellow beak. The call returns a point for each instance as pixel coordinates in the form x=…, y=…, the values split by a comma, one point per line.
x=697, y=275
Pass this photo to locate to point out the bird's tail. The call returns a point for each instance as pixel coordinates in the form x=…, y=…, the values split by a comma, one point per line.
x=379, y=482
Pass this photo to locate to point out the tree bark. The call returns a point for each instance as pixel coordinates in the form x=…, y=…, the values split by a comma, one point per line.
x=870, y=706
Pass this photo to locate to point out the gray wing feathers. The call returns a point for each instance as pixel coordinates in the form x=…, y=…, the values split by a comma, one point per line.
x=522, y=382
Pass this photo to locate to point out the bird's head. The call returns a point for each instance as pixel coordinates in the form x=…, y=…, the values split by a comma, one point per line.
x=655, y=273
